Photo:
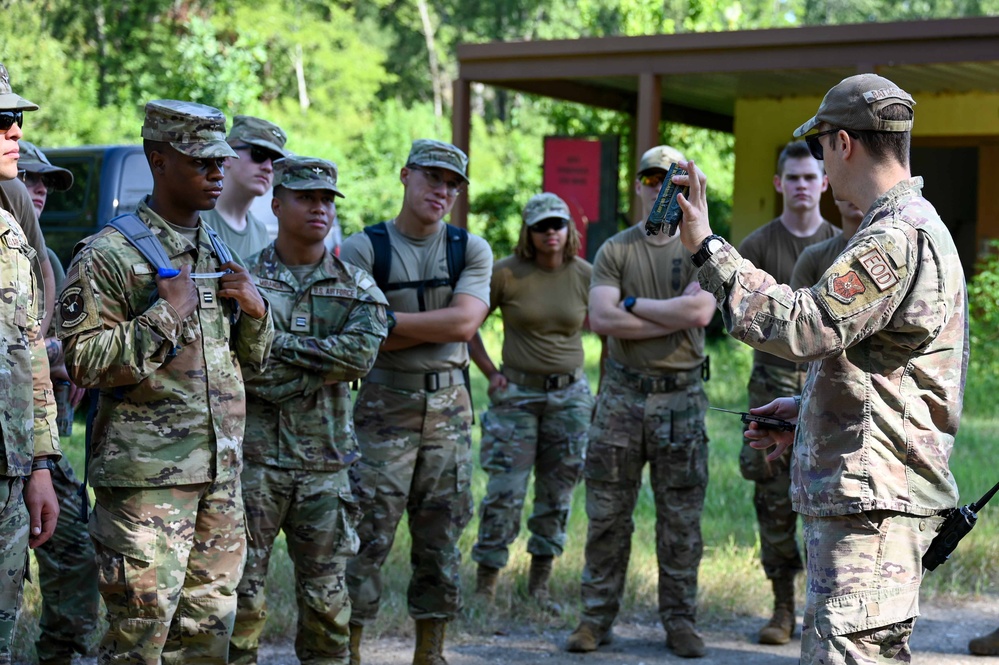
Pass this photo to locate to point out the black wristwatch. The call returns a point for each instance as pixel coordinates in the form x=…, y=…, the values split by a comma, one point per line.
x=710, y=245
x=629, y=303
x=390, y=318
x=43, y=463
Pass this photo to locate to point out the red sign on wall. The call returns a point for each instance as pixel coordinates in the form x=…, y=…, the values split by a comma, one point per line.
x=572, y=171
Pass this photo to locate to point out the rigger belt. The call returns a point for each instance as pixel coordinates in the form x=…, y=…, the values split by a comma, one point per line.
x=654, y=383
x=543, y=382
x=429, y=381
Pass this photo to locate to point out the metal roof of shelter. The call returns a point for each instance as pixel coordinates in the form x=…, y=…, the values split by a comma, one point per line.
x=696, y=78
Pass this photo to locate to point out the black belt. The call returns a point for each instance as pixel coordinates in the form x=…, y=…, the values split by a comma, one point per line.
x=545, y=382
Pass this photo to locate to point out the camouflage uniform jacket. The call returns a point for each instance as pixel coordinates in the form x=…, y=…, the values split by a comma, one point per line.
x=328, y=330
x=27, y=406
x=172, y=404
x=888, y=324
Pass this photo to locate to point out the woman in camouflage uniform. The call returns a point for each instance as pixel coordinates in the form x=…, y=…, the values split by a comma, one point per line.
x=541, y=399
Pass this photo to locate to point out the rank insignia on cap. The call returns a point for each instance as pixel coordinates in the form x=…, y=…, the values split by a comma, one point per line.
x=875, y=265
x=845, y=288
x=71, y=307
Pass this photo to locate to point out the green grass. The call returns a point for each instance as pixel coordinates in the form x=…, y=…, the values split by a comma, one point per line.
x=731, y=579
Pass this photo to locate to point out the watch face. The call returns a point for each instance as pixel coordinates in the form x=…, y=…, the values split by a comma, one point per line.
x=715, y=244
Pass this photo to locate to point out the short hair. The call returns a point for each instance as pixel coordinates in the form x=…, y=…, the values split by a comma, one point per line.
x=794, y=150
x=882, y=146
x=149, y=147
x=525, y=248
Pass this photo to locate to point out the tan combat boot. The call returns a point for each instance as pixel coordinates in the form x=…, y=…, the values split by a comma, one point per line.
x=537, y=584
x=486, y=578
x=781, y=625
x=355, y=643
x=684, y=640
x=588, y=637
x=430, y=642
x=986, y=645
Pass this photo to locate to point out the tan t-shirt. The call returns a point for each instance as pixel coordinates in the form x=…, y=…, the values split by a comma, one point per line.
x=543, y=313
x=420, y=259
x=641, y=269
x=775, y=249
x=815, y=260
x=245, y=243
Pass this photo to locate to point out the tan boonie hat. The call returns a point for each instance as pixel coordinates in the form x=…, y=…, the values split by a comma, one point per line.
x=545, y=206
x=258, y=132
x=660, y=158
x=854, y=103
x=33, y=160
x=426, y=152
x=10, y=101
x=194, y=129
x=306, y=173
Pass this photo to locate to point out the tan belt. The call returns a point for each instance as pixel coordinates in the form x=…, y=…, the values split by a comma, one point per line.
x=545, y=382
x=666, y=382
x=429, y=381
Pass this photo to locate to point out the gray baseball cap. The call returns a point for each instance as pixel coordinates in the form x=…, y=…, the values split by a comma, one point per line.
x=854, y=103
x=426, y=152
x=33, y=160
x=659, y=158
x=9, y=101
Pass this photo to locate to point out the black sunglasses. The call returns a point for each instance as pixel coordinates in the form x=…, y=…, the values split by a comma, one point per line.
x=31, y=179
x=812, y=141
x=546, y=225
x=259, y=155
x=8, y=118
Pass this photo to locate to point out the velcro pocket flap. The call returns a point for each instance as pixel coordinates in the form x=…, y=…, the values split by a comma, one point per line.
x=124, y=537
x=864, y=610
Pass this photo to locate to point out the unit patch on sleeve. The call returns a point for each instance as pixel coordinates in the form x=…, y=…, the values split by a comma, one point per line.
x=845, y=288
x=881, y=273
x=71, y=307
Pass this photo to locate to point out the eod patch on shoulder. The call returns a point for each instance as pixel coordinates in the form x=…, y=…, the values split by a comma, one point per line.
x=861, y=277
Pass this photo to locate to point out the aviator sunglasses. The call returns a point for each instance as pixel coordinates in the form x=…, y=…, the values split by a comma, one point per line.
x=259, y=155
x=32, y=179
x=812, y=141
x=8, y=118
x=653, y=179
x=546, y=225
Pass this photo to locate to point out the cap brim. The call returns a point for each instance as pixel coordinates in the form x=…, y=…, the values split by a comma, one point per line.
x=62, y=178
x=447, y=166
x=807, y=127
x=305, y=185
x=548, y=214
x=267, y=145
x=206, y=149
x=10, y=101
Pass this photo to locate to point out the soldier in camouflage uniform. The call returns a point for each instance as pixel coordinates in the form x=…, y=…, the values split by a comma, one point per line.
x=169, y=355
x=775, y=247
x=541, y=400
x=67, y=568
x=886, y=327
x=259, y=144
x=29, y=444
x=329, y=319
x=413, y=413
x=650, y=408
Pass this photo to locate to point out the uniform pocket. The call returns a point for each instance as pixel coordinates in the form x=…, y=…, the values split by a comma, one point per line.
x=494, y=449
x=350, y=515
x=864, y=610
x=683, y=457
x=126, y=554
x=610, y=439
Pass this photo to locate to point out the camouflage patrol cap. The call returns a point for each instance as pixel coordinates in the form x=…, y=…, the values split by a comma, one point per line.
x=258, y=132
x=33, y=160
x=659, y=158
x=426, y=152
x=306, y=173
x=9, y=101
x=854, y=103
x=545, y=206
x=194, y=129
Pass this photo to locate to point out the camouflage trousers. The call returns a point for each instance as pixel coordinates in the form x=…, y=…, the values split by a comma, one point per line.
x=169, y=560
x=629, y=429
x=416, y=457
x=317, y=513
x=527, y=429
x=772, y=480
x=13, y=557
x=67, y=574
x=862, y=599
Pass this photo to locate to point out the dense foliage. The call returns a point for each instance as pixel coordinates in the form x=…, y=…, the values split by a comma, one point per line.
x=357, y=81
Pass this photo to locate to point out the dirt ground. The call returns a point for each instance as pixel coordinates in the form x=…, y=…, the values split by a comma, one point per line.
x=941, y=638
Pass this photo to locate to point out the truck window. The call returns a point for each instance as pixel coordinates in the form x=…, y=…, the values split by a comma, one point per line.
x=72, y=203
x=136, y=183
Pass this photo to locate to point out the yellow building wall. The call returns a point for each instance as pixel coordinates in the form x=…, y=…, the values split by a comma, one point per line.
x=764, y=126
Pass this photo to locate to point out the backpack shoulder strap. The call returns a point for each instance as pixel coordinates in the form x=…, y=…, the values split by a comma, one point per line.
x=221, y=249
x=382, y=247
x=457, y=243
x=142, y=238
